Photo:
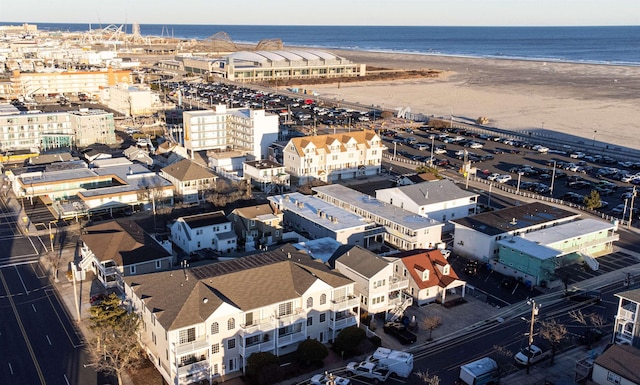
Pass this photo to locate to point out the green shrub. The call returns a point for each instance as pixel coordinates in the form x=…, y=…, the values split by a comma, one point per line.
x=311, y=352
x=348, y=341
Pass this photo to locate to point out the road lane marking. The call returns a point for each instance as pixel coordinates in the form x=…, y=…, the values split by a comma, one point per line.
x=66, y=379
x=11, y=368
x=48, y=340
x=73, y=343
x=22, y=330
x=23, y=285
x=34, y=308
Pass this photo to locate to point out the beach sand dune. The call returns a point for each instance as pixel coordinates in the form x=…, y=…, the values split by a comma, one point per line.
x=582, y=100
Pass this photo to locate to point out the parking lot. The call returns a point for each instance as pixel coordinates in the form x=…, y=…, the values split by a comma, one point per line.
x=559, y=173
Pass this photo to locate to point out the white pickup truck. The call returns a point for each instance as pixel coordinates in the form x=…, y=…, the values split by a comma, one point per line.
x=369, y=370
x=531, y=355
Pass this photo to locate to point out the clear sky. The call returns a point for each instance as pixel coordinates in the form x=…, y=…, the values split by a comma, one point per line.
x=327, y=12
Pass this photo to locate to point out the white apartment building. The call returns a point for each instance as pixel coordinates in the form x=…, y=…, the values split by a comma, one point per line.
x=440, y=199
x=204, y=231
x=131, y=100
x=39, y=131
x=333, y=157
x=626, y=330
x=239, y=129
x=402, y=228
x=203, y=323
x=266, y=174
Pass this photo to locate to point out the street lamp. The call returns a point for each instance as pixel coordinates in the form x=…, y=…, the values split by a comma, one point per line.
x=594, y=137
x=535, y=307
x=395, y=145
x=553, y=177
x=633, y=198
x=518, y=188
x=431, y=157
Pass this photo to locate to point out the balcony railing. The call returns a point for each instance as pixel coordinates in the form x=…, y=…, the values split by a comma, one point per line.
x=291, y=319
x=344, y=322
x=345, y=303
x=193, y=346
x=263, y=325
x=195, y=368
x=268, y=346
x=626, y=314
x=291, y=338
x=397, y=283
x=594, y=242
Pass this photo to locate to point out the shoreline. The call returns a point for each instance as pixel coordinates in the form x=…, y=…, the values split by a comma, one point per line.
x=581, y=100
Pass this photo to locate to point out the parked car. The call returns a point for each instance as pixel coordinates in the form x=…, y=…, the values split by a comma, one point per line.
x=493, y=176
x=584, y=295
x=323, y=379
x=531, y=355
x=400, y=332
x=503, y=178
x=590, y=336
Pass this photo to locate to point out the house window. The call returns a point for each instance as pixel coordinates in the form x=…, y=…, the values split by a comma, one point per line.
x=323, y=317
x=231, y=343
x=231, y=324
x=309, y=321
x=277, y=233
x=215, y=328
x=323, y=299
x=158, y=264
x=446, y=269
x=215, y=348
x=252, y=223
x=187, y=335
x=132, y=269
x=425, y=275
x=215, y=370
x=309, y=302
x=285, y=309
x=613, y=378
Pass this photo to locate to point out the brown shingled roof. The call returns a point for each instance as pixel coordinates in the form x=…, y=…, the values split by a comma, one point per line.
x=185, y=170
x=246, y=283
x=324, y=141
x=122, y=241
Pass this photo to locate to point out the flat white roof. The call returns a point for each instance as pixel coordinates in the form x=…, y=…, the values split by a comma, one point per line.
x=568, y=231
x=530, y=248
x=318, y=211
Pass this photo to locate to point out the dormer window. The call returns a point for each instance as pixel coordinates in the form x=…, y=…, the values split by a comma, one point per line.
x=446, y=269
x=425, y=275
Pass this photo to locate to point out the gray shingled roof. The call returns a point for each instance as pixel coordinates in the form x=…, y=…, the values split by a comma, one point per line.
x=363, y=261
x=632, y=295
x=622, y=360
x=207, y=219
x=427, y=193
x=178, y=297
x=527, y=215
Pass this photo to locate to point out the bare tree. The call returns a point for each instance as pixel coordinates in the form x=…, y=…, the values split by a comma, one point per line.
x=503, y=357
x=553, y=332
x=430, y=323
x=427, y=378
x=591, y=321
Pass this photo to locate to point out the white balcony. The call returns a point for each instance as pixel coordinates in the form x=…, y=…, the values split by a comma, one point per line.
x=292, y=318
x=198, y=369
x=264, y=325
x=268, y=346
x=627, y=315
x=193, y=346
x=398, y=283
x=345, y=303
x=344, y=322
x=292, y=338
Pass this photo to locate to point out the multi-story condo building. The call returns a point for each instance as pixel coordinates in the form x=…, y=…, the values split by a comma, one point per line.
x=204, y=322
x=37, y=131
x=66, y=83
x=131, y=100
x=626, y=330
x=402, y=228
x=221, y=129
x=333, y=157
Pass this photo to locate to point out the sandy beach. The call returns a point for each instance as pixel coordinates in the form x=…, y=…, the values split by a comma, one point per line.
x=582, y=100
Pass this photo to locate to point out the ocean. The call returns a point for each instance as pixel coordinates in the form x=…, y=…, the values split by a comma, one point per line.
x=618, y=45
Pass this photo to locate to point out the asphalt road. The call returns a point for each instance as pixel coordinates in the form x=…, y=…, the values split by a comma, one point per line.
x=38, y=338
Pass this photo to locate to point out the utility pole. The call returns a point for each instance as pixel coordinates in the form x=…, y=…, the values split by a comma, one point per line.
x=534, y=312
x=633, y=198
